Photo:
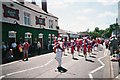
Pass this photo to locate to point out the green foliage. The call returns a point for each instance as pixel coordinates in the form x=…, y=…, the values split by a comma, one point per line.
x=103, y=33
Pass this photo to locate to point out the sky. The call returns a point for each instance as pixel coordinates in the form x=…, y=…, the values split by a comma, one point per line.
x=81, y=15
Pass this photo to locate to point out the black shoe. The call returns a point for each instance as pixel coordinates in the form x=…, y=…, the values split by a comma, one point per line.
x=27, y=59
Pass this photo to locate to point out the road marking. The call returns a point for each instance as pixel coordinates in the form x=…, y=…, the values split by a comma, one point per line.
x=90, y=74
x=2, y=77
x=27, y=69
x=49, y=62
x=117, y=76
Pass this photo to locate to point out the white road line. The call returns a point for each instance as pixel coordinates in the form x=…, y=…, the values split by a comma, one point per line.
x=117, y=76
x=27, y=69
x=90, y=74
x=2, y=77
x=49, y=62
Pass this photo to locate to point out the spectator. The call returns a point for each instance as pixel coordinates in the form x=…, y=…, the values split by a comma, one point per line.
x=26, y=46
x=114, y=44
x=3, y=47
x=39, y=47
x=9, y=55
x=14, y=45
x=20, y=51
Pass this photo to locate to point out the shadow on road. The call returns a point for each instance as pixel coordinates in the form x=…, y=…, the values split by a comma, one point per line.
x=81, y=55
x=62, y=70
x=75, y=59
x=90, y=60
x=92, y=56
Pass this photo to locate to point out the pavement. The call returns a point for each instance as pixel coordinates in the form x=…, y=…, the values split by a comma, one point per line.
x=114, y=67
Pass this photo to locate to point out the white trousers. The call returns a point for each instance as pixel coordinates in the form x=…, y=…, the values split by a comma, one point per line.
x=59, y=58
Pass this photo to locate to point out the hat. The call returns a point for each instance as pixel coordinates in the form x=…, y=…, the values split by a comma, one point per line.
x=84, y=37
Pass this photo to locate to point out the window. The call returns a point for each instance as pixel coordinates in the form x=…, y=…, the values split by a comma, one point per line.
x=28, y=35
x=26, y=18
x=40, y=35
x=12, y=34
x=50, y=23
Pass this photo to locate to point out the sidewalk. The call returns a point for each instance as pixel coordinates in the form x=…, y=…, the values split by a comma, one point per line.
x=114, y=68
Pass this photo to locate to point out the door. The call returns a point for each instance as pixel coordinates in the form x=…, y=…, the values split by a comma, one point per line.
x=41, y=41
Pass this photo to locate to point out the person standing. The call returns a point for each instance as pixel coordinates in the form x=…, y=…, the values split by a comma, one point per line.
x=72, y=48
x=59, y=51
x=20, y=50
x=14, y=45
x=89, y=48
x=39, y=47
x=114, y=44
x=85, y=48
x=26, y=46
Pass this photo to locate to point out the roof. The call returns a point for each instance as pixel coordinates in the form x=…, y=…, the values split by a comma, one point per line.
x=34, y=7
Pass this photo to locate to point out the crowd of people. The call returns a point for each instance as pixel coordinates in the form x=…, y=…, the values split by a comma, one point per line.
x=83, y=46
x=17, y=51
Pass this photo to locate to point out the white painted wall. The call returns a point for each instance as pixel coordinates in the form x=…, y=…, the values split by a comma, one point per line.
x=32, y=15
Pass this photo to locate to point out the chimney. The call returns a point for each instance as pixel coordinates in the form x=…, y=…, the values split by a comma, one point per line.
x=44, y=5
x=21, y=1
x=33, y=2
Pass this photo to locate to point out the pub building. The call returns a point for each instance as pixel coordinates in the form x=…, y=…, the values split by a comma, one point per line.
x=22, y=20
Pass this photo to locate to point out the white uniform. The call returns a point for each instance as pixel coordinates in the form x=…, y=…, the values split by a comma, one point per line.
x=59, y=55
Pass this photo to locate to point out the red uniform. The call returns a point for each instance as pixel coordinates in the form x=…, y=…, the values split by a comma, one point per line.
x=85, y=47
x=55, y=41
x=72, y=48
x=89, y=47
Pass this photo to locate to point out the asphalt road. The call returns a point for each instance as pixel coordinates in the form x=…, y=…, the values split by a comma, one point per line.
x=44, y=66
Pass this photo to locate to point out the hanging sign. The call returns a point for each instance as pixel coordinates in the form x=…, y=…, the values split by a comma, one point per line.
x=10, y=12
x=40, y=21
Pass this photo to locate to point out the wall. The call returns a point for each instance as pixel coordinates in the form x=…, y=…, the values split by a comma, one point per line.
x=32, y=13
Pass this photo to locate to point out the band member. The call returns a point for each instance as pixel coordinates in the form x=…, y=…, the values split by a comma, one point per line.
x=68, y=45
x=72, y=48
x=64, y=46
x=85, y=48
x=54, y=48
x=78, y=47
x=89, y=48
x=59, y=51
x=80, y=43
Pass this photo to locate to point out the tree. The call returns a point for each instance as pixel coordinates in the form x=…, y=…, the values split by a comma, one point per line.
x=96, y=29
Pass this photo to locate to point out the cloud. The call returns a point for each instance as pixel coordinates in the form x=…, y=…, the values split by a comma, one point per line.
x=107, y=14
x=85, y=11
x=60, y=4
x=108, y=2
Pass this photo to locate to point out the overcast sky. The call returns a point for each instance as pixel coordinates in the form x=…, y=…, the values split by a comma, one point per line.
x=80, y=15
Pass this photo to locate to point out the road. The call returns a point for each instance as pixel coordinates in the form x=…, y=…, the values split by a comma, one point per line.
x=44, y=66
